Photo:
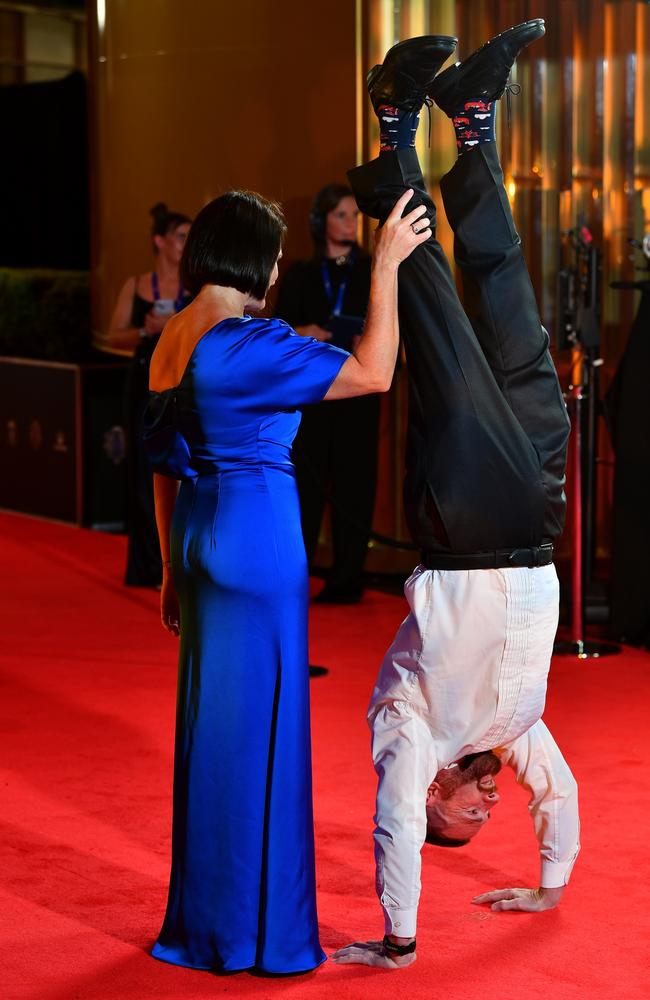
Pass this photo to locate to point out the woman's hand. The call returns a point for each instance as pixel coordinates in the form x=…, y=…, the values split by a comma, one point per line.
x=169, y=609
x=153, y=323
x=315, y=331
x=398, y=237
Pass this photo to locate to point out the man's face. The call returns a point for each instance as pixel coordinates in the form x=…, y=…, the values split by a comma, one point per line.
x=459, y=811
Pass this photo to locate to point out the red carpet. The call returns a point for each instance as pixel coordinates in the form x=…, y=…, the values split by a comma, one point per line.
x=88, y=689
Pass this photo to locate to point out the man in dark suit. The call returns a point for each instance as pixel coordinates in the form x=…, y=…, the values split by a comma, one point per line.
x=484, y=496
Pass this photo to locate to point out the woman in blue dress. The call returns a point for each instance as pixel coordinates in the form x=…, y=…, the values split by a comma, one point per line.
x=223, y=414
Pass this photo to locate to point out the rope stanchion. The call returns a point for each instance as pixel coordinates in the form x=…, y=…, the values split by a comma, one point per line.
x=580, y=329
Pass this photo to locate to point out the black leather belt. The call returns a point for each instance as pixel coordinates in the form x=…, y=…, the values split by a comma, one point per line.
x=538, y=555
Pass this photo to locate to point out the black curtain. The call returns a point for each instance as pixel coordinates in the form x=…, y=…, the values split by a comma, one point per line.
x=44, y=210
x=628, y=410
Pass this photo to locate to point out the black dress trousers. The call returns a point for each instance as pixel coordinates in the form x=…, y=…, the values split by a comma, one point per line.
x=628, y=409
x=335, y=454
x=488, y=428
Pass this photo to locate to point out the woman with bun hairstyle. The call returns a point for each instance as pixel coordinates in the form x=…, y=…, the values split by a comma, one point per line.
x=335, y=451
x=144, y=304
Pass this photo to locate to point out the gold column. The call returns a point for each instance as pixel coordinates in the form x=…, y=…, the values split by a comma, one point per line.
x=642, y=122
x=618, y=161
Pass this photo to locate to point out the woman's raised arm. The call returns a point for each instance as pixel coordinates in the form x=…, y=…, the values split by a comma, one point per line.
x=371, y=367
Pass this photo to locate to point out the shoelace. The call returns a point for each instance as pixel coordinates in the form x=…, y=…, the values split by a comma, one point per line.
x=428, y=104
x=511, y=90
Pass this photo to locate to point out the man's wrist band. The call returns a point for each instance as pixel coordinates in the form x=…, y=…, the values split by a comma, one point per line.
x=398, y=949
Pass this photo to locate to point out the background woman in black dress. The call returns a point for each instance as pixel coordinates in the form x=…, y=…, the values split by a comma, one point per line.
x=142, y=309
x=335, y=451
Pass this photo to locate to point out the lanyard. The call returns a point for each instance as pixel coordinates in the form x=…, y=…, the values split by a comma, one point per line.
x=337, y=305
x=179, y=301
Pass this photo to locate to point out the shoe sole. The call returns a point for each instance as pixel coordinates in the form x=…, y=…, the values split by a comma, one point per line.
x=445, y=43
x=445, y=83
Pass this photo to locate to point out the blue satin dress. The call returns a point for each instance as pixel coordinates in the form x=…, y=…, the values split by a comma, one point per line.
x=242, y=889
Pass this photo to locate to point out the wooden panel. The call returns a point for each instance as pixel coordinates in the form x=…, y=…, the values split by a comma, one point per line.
x=189, y=100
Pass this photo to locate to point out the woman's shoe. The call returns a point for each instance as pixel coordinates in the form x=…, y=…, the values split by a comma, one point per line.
x=484, y=74
x=408, y=70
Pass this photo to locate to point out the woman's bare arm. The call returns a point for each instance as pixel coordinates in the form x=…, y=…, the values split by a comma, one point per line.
x=121, y=334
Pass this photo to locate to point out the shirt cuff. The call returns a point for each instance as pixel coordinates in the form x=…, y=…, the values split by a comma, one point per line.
x=556, y=873
x=401, y=923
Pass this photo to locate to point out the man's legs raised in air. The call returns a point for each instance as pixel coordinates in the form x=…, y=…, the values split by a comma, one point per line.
x=465, y=439
x=497, y=292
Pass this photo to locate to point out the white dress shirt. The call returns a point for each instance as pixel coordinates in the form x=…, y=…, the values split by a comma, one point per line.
x=467, y=672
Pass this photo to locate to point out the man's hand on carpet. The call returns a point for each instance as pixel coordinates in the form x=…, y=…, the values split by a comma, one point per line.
x=371, y=953
x=525, y=900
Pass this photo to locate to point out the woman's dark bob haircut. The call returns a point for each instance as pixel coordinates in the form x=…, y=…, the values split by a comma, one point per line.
x=234, y=241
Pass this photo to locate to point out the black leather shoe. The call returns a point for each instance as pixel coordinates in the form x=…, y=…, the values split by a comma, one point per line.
x=484, y=74
x=403, y=79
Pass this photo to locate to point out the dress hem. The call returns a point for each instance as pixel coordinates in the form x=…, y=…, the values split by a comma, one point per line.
x=244, y=968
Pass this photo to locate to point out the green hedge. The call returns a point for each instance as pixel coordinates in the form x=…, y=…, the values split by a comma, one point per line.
x=45, y=314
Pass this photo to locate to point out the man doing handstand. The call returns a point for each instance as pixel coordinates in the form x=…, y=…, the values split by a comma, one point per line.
x=461, y=691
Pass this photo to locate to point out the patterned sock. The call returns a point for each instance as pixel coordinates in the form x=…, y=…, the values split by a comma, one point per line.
x=474, y=124
x=397, y=128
